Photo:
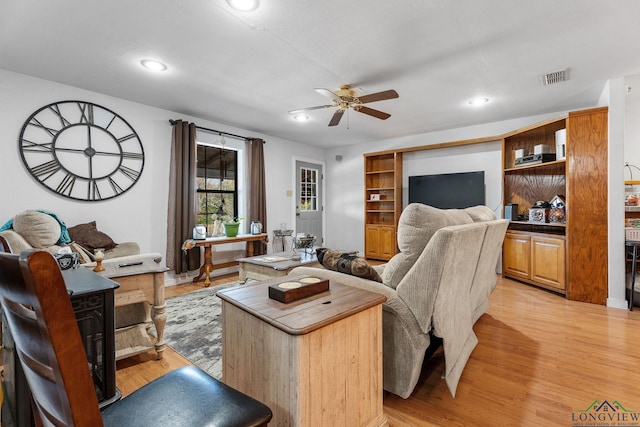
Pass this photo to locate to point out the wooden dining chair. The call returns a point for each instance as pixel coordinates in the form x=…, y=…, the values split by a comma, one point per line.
x=4, y=245
x=38, y=310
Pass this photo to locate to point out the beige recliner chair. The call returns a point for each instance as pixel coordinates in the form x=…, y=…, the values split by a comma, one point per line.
x=438, y=285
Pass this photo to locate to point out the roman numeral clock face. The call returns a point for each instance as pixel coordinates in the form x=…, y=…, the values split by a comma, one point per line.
x=81, y=150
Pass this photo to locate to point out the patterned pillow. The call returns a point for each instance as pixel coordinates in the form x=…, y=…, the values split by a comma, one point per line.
x=345, y=262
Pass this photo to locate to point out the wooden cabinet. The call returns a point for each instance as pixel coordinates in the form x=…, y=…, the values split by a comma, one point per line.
x=516, y=256
x=380, y=241
x=548, y=261
x=535, y=258
x=383, y=203
x=569, y=257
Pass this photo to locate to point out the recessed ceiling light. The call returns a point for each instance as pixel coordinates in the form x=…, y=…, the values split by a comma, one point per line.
x=478, y=101
x=244, y=5
x=301, y=117
x=153, y=65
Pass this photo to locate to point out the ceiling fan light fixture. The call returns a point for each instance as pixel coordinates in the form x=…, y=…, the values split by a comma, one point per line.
x=477, y=102
x=244, y=5
x=301, y=117
x=153, y=65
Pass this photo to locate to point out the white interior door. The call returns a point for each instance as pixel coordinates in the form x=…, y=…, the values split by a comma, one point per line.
x=309, y=202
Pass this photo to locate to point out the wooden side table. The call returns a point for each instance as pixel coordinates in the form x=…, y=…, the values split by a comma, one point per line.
x=140, y=299
x=316, y=361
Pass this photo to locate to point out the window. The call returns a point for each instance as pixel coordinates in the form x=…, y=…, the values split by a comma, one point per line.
x=217, y=184
x=308, y=189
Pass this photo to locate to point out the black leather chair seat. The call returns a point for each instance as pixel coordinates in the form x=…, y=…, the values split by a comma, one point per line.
x=186, y=397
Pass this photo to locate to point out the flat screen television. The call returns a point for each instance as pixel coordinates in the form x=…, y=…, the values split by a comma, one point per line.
x=449, y=190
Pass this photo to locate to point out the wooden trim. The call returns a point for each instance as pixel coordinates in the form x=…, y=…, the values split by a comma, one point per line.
x=481, y=140
x=589, y=111
x=534, y=126
x=436, y=146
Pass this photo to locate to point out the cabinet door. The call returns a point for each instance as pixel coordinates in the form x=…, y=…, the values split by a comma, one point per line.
x=380, y=242
x=516, y=255
x=548, y=261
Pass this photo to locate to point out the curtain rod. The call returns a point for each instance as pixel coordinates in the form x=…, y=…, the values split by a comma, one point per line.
x=219, y=132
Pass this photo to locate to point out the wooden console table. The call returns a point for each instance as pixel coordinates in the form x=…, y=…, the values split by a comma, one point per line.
x=316, y=361
x=208, y=266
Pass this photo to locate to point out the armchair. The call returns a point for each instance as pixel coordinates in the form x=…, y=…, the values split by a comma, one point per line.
x=436, y=286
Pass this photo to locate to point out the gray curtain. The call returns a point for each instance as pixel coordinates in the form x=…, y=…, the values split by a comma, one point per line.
x=181, y=213
x=257, y=189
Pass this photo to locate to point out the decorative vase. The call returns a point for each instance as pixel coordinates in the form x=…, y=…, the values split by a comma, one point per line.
x=231, y=229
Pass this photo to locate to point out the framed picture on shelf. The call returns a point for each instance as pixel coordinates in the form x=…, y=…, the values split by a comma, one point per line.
x=374, y=197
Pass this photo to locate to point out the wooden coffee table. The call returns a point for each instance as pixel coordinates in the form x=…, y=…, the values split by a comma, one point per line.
x=280, y=264
x=316, y=361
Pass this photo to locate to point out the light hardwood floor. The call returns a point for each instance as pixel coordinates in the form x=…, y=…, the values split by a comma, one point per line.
x=539, y=359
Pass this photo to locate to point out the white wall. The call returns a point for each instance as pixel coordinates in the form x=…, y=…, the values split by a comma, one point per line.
x=632, y=124
x=140, y=214
x=614, y=97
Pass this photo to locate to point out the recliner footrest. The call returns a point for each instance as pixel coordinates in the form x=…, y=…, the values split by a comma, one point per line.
x=187, y=397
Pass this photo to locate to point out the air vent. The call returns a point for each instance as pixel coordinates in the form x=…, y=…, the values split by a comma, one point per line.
x=555, y=77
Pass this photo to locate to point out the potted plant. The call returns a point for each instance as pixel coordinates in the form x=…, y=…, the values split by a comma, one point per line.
x=231, y=227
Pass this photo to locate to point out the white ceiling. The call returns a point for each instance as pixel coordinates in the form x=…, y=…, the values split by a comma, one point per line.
x=249, y=69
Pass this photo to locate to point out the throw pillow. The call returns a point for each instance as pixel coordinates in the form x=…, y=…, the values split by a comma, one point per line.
x=347, y=263
x=37, y=228
x=88, y=236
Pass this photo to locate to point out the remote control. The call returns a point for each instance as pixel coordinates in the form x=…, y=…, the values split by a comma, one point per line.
x=129, y=264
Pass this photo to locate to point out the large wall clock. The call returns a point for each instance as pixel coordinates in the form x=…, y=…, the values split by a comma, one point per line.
x=81, y=150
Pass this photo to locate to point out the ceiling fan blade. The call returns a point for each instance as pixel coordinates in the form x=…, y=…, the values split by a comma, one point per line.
x=375, y=113
x=302, y=110
x=379, y=96
x=326, y=92
x=336, y=118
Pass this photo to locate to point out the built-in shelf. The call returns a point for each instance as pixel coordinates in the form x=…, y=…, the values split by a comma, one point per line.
x=536, y=166
x=383, y=178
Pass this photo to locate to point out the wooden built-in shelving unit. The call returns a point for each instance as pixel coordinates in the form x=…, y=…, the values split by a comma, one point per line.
x=383, y=180
x=569, y=258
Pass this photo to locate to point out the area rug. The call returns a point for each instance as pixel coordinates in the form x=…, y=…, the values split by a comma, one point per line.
x=194, y=327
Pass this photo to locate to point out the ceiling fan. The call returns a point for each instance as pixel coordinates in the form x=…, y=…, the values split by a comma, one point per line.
x=346, y=98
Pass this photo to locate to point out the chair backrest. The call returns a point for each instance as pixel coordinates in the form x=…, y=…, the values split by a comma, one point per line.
x=38, y=311
x=4, y=245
